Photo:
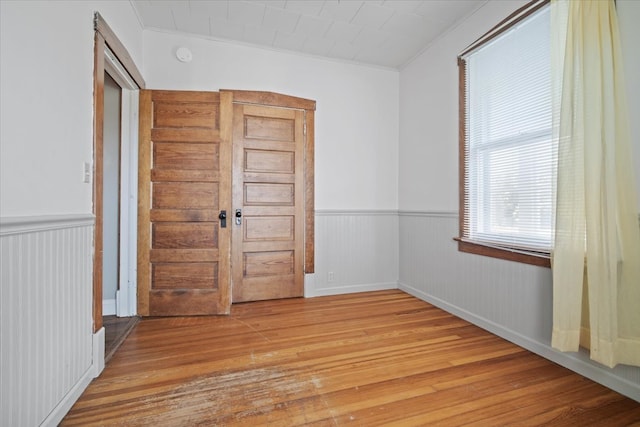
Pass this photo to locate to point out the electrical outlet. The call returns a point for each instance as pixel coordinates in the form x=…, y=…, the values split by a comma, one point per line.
x=331, y=277
x=86, y=169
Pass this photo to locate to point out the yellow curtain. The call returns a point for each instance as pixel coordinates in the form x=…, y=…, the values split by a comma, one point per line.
x=596, y=258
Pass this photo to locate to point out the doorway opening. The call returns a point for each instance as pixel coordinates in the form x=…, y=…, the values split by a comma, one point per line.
x=118, y=317
x=119, y=194
x=117, y=82
x=111, y=195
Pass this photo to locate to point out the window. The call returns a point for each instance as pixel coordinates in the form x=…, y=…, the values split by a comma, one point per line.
x=507, y=152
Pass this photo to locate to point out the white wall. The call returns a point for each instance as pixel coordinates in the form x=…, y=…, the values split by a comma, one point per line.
x=356, y=251
x=356, y=117
x=510, y=299
x=46, y=82
x=429, y=115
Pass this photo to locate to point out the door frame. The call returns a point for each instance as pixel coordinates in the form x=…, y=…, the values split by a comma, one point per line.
x=127, y=265
x=106, y=41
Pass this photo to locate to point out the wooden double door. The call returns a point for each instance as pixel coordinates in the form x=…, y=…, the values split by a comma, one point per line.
x=225, y=186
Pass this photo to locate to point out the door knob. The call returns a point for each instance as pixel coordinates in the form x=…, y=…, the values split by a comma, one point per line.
x=238, y=216
x=223, y=219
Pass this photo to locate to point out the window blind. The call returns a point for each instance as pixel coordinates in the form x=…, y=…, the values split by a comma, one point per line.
x=509, y=155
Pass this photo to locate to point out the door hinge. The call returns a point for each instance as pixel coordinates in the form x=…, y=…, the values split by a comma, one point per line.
x=304, y=129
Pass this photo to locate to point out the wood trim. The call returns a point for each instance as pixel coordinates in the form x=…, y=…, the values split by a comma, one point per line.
x=462, y=131
x=118, y=49
x=98, y=130
x=10, y=225
x=225, y=202
x=237, y=182
x=507, y=23
x=103, y=36
x=506, y=254
x=430, y=214
x=271, y=99
x=309, y=183
x=144, y=196
x=194, y=96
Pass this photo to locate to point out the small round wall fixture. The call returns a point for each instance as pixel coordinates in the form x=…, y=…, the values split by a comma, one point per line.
x=184, y=54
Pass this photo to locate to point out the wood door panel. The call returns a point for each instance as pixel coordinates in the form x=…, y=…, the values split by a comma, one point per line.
x=185, y=195
x=185, y=114
x=261, y=144
x=185, y=156
x=268, y=263
x=187, y=301
x=190, y=215
x=183, y=255
x=250, y=211
x=261, y=194
x=269, y=128
x=186, y=235
x=185, y=179
x=188, y=175
x=186, y=134
x=260, y=228
x=276, y=178
x=185, y=275
x=269, y=287
x=269, y=161
x=268, y=247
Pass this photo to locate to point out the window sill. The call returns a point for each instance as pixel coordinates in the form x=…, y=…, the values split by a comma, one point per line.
x=510, y=254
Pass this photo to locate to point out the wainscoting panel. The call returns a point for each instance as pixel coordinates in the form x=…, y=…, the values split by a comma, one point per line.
x=46, y=330
x=356, y=251
x=510, y=299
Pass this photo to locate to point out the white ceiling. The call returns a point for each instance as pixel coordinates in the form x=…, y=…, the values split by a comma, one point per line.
x=386, y=33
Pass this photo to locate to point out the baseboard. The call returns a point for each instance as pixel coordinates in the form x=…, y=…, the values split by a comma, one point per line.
x=98, y=351
x=567, y=360
x=108, y=307
x=349, y=289
x=58, y=413
x=61, y=409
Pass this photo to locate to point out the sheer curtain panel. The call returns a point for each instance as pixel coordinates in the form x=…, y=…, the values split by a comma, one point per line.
x=596, y=256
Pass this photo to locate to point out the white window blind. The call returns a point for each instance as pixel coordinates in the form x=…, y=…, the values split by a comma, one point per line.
x=509, y=155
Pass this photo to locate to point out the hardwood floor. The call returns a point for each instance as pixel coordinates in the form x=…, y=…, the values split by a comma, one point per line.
x=362, y=359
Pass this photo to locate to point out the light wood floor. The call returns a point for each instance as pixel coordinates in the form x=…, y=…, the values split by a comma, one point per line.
x=361, y=359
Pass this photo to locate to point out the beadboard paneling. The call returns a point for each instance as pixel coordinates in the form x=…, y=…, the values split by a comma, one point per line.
x=510, y=299
x=45, y=314
x=356, y=251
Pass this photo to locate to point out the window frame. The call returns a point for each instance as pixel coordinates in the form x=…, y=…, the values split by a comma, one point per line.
x=466, y=244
